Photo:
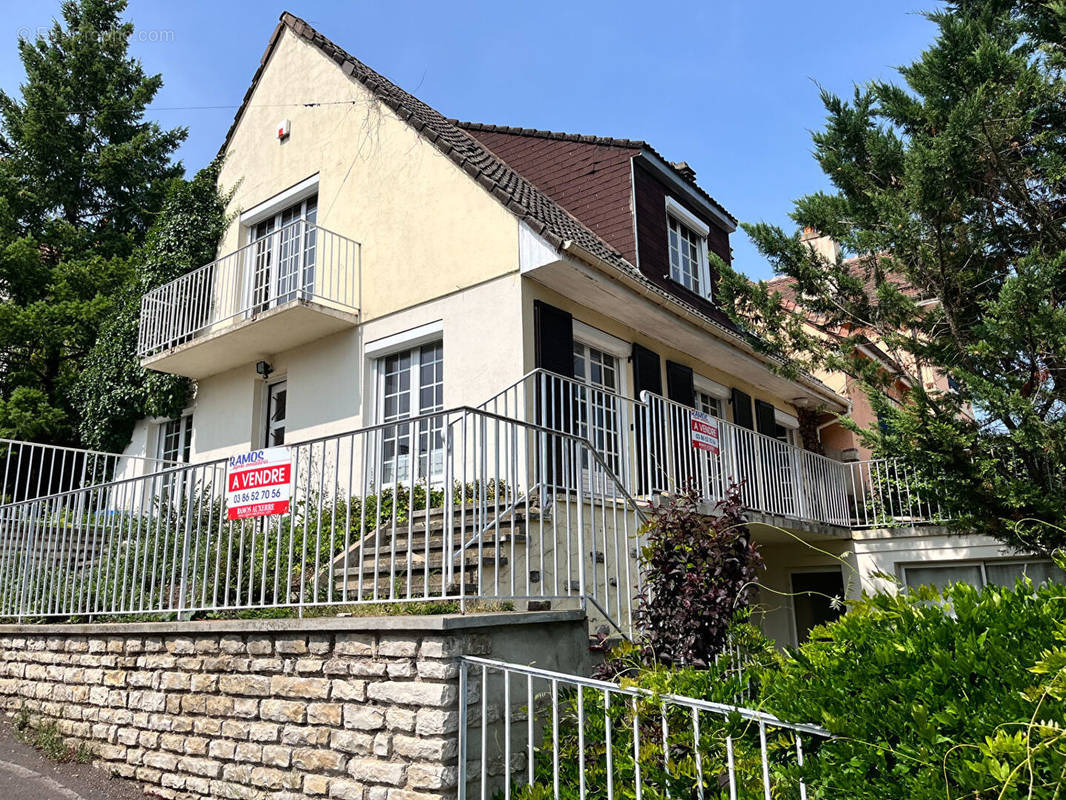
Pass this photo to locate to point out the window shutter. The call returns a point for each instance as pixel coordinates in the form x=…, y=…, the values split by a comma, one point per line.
x=764, y=418
x=647, y=375
x=679, y=386
x=742, y=410
x=553, y=334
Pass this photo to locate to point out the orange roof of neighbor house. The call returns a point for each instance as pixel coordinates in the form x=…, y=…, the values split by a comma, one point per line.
x=857, y=266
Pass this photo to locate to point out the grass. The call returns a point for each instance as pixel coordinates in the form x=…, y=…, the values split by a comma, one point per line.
x=47, y=740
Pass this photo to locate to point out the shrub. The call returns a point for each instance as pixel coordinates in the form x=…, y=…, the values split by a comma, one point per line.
x=934, y=696
x=698, y=574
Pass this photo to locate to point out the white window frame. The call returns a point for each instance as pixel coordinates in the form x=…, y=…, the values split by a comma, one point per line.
x=278, y=203
x=696, y=226
x=981, y=563
x=589, y=337
x=265, y=428
x=714, y=390
x=301, y=242
x=377, y=351
x=185, y=432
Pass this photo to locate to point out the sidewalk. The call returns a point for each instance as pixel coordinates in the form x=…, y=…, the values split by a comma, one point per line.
x=27, y=775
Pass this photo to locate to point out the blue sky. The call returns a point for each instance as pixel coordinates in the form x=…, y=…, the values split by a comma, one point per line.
x=727, y=86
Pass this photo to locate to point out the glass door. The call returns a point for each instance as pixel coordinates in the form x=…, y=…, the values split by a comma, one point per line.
x=412, y=383
x=283, y=256
x=596, y=410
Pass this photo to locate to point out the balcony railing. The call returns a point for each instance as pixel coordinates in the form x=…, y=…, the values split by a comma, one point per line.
x=648, y=444
x=298, y=262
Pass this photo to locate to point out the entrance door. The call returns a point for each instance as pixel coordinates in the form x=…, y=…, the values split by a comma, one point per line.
x=817, y=598
x=277, y=395
x=596, y=408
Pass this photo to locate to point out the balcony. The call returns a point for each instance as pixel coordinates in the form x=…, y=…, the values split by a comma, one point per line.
x=291, y=287
x=647, y=444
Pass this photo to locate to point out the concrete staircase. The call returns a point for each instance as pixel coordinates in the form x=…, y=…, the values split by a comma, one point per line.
x=406, y=560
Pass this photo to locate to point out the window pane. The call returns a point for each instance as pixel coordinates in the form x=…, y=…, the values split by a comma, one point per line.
x=1000, y=574
x=941, y=577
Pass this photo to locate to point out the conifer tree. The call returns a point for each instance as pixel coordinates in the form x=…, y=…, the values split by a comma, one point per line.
x=949, y=200
x=82, y=177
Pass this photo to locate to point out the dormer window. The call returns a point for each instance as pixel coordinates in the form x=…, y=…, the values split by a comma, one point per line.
x=687, y=238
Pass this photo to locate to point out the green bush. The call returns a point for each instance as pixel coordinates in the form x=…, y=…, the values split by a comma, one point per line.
x=933, y=696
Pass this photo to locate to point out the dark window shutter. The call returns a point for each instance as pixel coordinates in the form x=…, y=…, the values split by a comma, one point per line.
x=553, y=334
x=742, y=410
x=647, y=376
x=765, y=422
x=679, y=387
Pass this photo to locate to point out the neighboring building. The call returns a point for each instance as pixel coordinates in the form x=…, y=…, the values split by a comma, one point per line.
x=910, y=554
x=384, y=261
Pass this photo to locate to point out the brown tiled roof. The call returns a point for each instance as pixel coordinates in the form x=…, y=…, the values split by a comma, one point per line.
x=607, y=141
x=532, y=206
x=593, y=181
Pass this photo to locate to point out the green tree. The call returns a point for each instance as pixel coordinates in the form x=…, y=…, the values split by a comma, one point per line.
x=949, y=201
x=82, y=177
x=113, y=391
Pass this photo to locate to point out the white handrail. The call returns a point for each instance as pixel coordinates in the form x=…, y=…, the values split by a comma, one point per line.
x=377, y=514
x=648, y=443
x=33, y=469
x=517, y=723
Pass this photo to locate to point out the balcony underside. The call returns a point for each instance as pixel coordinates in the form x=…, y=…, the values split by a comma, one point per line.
x=293, y=324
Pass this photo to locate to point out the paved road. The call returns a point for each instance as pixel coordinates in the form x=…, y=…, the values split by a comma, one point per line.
x=27, y=775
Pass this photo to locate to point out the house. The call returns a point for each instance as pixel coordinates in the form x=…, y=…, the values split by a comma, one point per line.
x=386, y=264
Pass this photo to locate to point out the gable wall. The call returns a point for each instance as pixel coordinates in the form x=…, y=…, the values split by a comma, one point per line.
x=426, y=227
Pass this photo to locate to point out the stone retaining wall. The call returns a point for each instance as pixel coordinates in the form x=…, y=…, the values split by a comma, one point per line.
x=356, y=709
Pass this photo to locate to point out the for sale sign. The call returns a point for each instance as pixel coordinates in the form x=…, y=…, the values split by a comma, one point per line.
x=704, y=432
x=259, y=483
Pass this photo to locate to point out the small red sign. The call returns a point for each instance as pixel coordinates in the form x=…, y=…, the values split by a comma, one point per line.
x=704, y=432
x=258, y=483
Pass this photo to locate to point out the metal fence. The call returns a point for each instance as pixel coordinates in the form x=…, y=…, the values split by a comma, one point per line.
x=298, y=261
x=530, y=732
x=32, y=470
x=648, y=444
x=887, y=493
x=775, y=477
x=455, y=505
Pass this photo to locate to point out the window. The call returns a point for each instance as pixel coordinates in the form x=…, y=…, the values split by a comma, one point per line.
x=175, y=445
x=708, y=404
x=596, y=408
x=687, y=242
x=941, y=574
x=284, y=255
x=175, y=439
x=277, y=394
x=686, y=256
x=411, y=383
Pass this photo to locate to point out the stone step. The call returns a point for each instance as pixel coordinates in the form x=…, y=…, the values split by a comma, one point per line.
x=384, y=564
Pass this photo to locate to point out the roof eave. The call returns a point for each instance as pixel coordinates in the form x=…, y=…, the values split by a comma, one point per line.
x=724, y=218
x=832, y=400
